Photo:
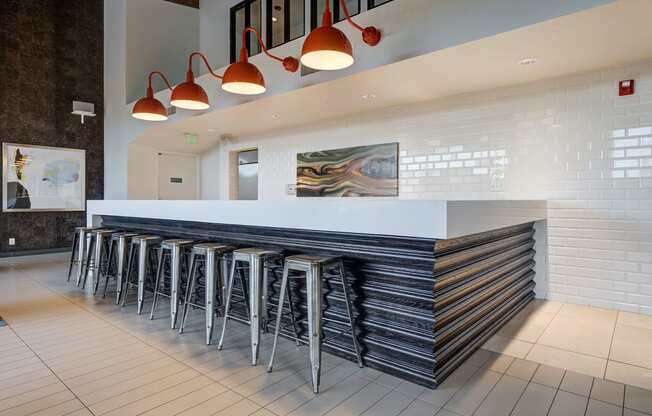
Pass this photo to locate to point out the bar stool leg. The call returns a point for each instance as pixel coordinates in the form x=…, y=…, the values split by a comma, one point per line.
x=222, y=277
x=89, y=256
x=175, y=275
x=288, y=291
x=209, y=273
x=108, y=268
x=190, y=288
x=75, y=248
x=279, y=314
x=349, y=311
x=97, y=271
x=255, y=294
x=130, y=266
x=142, y=272
x=229, y=291
x=81, y=253
x=314, y=300
x=119, y=284
x=159, y=275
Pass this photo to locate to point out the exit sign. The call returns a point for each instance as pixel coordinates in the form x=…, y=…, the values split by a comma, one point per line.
x=191, y=138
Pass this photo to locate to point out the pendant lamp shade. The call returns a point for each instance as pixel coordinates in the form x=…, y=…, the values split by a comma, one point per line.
x=243, y=78
x=327, y=49
x=189, y=96
x=149, y=109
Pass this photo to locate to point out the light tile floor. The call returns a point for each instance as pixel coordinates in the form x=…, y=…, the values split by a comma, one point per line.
x=67, y=353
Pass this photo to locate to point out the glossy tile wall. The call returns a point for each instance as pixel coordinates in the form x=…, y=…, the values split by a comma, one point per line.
x=570, y=140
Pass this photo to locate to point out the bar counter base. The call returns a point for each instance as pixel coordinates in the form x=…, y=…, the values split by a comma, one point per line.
x=422, y=305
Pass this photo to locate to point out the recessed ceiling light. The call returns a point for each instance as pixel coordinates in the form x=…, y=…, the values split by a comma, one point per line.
x=275, y=116
x=211, y=130
x=274, y=19
x=369, y=96
x=527, y=61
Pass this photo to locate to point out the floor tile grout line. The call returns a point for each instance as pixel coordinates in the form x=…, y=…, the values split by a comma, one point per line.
x=611, y=344
x=98, y=317
x=347, y=397
x=41, y=398
x=300, y=386
x=161, y=391
x=82, y=308
x=52, y=371
x=548, y=325
x=477, y=370
x=111, y=323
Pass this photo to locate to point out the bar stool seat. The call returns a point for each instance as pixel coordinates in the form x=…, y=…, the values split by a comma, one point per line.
x=212, y=254
x=314, y=268
x=257, y=261
x=174, y=251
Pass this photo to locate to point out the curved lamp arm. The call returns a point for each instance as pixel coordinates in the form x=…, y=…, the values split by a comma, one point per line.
x=150, y=91
x=290, y=63
x=370, y=34
x=190, y=77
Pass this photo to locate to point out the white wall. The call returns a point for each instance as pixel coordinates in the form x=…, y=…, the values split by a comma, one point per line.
x=142, y=172
x=160, y=35
x=410, y=28
x=572, y=141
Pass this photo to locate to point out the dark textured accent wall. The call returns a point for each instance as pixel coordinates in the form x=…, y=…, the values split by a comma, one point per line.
x=51, y=54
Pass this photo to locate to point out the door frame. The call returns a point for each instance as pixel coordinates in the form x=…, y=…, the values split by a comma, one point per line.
x=197, y=170
x=233, y=170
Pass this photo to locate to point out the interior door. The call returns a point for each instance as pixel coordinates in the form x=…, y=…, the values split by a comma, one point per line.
x=177, y=176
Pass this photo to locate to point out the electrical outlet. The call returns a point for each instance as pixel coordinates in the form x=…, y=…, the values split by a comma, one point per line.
x=12, y=241
x=291, y=189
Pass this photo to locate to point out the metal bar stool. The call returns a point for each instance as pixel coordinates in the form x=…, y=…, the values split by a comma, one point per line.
x=78, y=254
x=174, y=252
x=314, y=267
x=215, y=266
x=96, y=255
x=118, y=252
x=257, y=262
x=144, y=246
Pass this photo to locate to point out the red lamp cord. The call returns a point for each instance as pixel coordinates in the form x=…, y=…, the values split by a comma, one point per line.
x=190, y=76
x=370, y=34
x=244, y=53
x=150, y=91
x=289, y=63
x=348, y=16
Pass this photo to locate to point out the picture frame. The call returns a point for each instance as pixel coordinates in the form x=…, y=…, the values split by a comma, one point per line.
x=43, y=178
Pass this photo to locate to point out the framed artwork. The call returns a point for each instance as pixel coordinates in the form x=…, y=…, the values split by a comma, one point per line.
x=349, y=172
x=42, y=178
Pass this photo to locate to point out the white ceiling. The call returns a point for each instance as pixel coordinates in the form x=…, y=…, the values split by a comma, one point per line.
x=601, y=37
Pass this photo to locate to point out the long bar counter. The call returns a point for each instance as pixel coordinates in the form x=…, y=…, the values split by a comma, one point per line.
x=424, y=301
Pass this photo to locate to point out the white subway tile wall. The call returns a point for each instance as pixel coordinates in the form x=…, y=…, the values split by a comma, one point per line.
x=570, y=140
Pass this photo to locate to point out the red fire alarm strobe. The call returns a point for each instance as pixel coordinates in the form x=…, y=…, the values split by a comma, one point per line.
x=626, y=87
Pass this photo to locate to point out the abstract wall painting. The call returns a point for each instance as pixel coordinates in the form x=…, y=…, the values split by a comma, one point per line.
x=42, y=178
x=362, y=171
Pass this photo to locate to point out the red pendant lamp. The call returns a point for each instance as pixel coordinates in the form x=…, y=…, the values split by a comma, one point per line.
x=189, y=95
x=243, y=77
x=327, y=48
x=149, y=108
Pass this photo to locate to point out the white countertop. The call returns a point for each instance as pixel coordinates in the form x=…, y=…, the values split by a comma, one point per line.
x=410, y=218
